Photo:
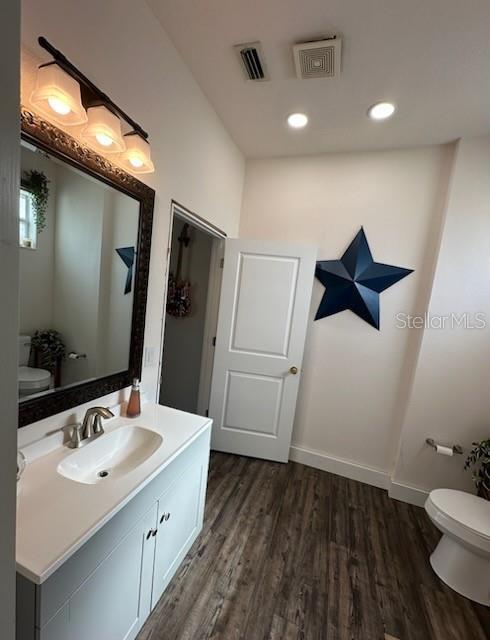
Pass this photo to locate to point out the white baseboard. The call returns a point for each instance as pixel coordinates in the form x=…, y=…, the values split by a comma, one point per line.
x=340, y=466
x=407, y=493
x=361, y=473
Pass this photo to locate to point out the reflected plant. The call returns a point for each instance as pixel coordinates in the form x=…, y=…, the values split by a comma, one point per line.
x=50, y=345
x=37, y=184
x=479, y=460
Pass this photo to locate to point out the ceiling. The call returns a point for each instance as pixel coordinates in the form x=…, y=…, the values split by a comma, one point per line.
x=430, y=57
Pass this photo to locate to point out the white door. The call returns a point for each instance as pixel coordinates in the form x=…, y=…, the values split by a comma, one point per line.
x=264, y=305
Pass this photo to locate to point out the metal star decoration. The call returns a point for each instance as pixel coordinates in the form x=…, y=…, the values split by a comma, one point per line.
x=355, y=281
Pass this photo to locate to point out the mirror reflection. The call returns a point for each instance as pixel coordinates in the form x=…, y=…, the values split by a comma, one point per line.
x=78, y=239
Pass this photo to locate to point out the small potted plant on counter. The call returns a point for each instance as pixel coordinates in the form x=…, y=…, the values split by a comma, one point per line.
x=479, y=461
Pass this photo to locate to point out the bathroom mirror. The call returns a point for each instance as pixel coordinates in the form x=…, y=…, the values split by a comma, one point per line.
x=84, y=243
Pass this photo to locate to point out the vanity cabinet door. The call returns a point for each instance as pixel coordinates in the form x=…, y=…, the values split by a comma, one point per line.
x=58, y=628
x=114, y=602
x=147, y=561
x=180, y=512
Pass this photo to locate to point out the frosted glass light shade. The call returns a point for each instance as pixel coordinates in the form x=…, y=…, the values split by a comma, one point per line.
x=103, y=131
x=137, y=158
x=57, y=96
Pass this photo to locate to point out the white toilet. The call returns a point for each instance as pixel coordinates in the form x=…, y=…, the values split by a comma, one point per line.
x=462, y=557
x=31, y=380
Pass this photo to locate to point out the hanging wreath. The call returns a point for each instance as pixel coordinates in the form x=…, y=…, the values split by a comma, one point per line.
x=37, y=184
x=179, y=288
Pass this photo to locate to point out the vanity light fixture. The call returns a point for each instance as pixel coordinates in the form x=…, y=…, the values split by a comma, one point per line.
x=57, y=96
x=103, y=130
x=65, y=96
x=137, y=157
x=297, y=120
x=381, y=110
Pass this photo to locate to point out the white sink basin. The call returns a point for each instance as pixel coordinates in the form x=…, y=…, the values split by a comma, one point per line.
x=111, y=456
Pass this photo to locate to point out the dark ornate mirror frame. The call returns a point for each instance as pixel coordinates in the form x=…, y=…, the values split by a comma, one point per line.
x=55, y=142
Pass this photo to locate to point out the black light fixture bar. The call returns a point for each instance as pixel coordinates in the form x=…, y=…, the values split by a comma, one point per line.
x=91, y=94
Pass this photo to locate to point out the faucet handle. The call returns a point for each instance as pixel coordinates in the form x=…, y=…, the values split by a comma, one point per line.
x=76, y=436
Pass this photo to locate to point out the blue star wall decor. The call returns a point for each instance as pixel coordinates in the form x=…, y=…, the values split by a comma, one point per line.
x=127, y=256
x=355, y=281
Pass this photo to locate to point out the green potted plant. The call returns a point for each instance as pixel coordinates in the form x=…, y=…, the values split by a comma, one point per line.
x=49, y=350
x=37, y=184
x=479, y=461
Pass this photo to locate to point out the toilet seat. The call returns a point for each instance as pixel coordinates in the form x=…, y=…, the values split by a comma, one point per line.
x=31, y=379
x=462, y=515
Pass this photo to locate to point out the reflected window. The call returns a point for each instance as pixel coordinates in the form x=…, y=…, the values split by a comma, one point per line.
x=27, y=222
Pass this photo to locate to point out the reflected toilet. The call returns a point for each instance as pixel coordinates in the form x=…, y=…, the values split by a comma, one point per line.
x=31, y=380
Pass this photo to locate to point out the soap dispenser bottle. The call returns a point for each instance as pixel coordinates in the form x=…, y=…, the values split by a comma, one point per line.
x=134, y=404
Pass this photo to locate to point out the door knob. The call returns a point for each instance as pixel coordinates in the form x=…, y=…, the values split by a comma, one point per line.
x=293, y=370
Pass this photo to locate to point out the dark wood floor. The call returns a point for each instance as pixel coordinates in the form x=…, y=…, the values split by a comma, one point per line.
x=289, y=552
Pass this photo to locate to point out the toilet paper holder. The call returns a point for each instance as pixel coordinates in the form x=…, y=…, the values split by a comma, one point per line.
x=432, y=443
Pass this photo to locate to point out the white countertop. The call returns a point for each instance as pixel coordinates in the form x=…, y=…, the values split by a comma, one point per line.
x=56, y=516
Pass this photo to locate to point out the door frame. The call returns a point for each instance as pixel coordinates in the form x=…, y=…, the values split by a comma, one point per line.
x=182, y=212
x=210, y=326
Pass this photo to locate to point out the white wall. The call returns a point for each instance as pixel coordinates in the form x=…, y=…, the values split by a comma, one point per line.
x=120, y=45
x=450, y=400
x=9, y=268
x=183, y=342
x=120, y=224
x=91, y=311
x=354, y=376
x=78, y=239
x=37, y=265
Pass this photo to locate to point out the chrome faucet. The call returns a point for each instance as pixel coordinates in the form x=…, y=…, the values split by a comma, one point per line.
x=91, y=427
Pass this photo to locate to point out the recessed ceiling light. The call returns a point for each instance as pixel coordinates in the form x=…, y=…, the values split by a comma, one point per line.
x=381, y=110
x=297, y=120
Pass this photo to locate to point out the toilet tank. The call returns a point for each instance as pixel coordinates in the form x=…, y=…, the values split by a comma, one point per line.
x=24, y=350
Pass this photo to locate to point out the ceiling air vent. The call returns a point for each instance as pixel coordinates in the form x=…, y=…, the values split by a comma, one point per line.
x=319, y=59
x=252, y=61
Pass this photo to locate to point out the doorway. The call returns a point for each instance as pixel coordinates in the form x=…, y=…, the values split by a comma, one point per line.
x=237, y=312
x=193, y=289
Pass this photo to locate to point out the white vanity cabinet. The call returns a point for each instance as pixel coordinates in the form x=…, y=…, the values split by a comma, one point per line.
x=115, y=600
x=106, y=590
